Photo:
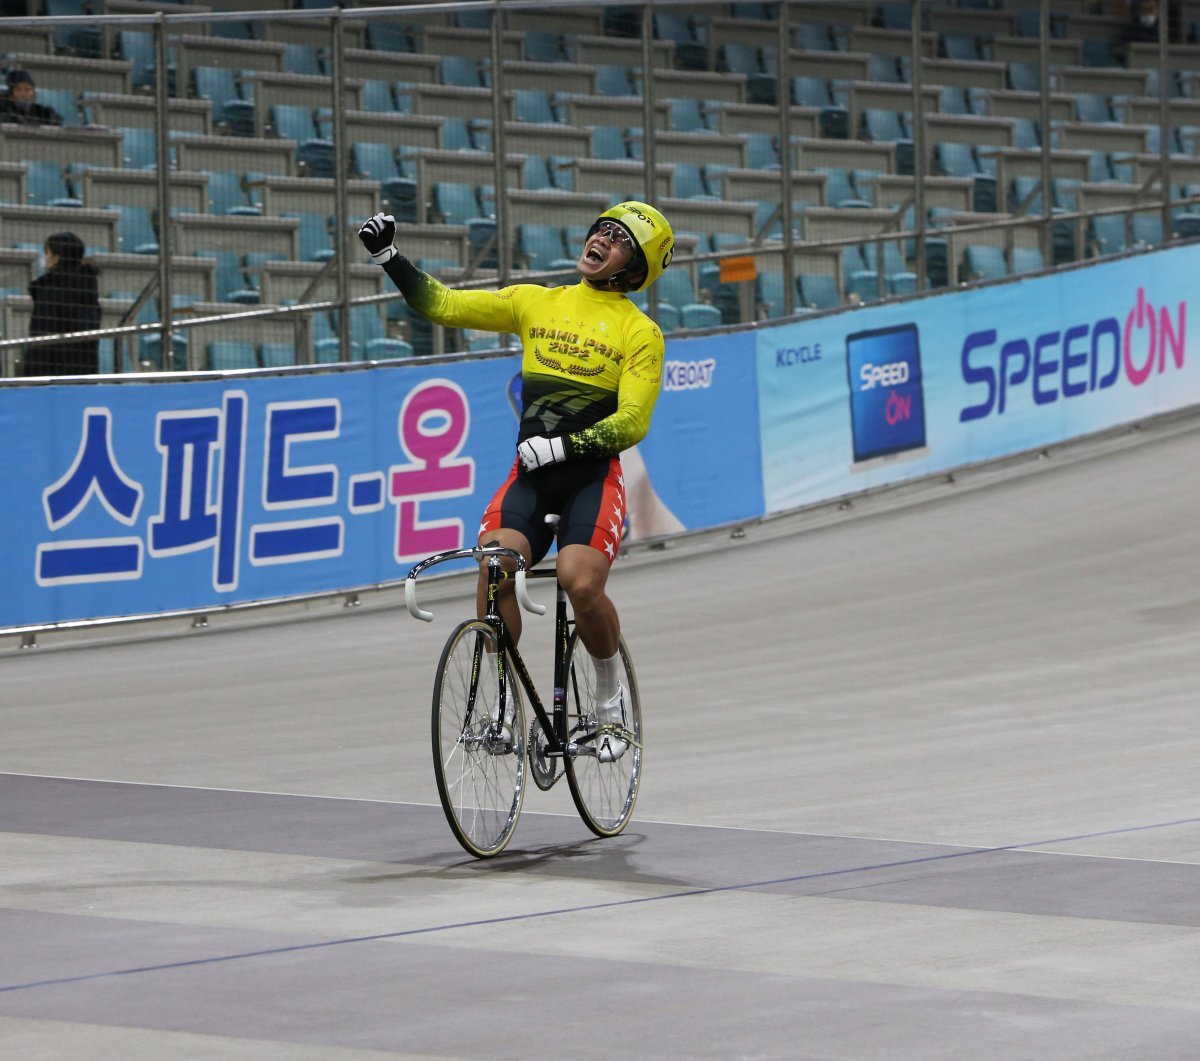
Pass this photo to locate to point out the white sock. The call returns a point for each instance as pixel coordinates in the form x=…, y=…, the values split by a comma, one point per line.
x=608, y=677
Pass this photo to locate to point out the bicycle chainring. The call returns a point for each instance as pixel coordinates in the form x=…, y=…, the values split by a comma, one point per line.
x=543, y=769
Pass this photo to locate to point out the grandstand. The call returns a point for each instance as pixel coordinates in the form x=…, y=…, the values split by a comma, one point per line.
x=967, y=149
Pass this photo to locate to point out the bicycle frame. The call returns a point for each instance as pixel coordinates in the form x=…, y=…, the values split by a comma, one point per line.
x=554, y=726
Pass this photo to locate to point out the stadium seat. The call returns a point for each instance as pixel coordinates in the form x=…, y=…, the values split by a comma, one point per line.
x=460, y=70
x=391, y=36
x=689, y=116
x=761, y=152
x=137, y=47
x=984, y=262
x=614, y=81
x=316, y=243
x=228, y=355
x=303, y=59
x=1027, y=260
x=453, y=203
x=135, y=230
x=689, y=182
x=230, y=111
x=688, y=36
x=818, y=291
x=609, y=142
x=83, y=41
x=813, y=37
x=539, y=46
x=540, y=245
x=276, y=355
x=46, y=185
x=533, y=105
x=150, y=352
x=668, y=317
x=377, y=96
x=748, y=60
x=676, y=288
x=834, y=117
x=1093, y=107
x=700, y=315
x=64, y=102
x=227, y=194
x=1147, y=230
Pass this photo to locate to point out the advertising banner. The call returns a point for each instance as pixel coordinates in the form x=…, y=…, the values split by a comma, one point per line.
x=138, y=498
x=700, y=465
x=882, y=394
x=148, y=497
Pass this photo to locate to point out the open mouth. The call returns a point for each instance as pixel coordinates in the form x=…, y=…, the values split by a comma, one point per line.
x=595, y=254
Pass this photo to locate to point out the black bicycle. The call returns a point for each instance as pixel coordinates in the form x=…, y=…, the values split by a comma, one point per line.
x=481, y=752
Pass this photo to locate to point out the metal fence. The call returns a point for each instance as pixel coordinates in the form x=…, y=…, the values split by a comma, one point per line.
x=216, y=165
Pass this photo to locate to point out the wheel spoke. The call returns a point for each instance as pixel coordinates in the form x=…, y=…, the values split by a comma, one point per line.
x=604, y=792
x=479, y=766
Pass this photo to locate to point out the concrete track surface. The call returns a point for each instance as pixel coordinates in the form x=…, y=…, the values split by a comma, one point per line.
x=921, y=782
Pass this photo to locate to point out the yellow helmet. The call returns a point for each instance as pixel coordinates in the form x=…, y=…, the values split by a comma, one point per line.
x=652, y=237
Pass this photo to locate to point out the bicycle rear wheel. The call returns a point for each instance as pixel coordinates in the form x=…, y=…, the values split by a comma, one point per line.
x=478, y=757
x=604, y=793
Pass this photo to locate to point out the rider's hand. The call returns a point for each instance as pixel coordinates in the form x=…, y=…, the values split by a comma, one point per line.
x=377, y=234
x=539, y=451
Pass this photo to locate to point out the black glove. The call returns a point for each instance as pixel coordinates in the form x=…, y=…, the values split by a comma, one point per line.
x=377, y=234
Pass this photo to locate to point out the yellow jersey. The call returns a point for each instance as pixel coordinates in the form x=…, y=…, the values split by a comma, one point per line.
x=591, y=365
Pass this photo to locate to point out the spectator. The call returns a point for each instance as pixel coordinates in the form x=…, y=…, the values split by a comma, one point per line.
x=65, y=299
x=20, y=106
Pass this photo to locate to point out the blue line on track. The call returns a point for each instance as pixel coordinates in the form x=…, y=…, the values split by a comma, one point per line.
x=973, y=852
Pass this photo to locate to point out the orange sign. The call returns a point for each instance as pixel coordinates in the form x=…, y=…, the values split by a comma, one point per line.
x=734, y=270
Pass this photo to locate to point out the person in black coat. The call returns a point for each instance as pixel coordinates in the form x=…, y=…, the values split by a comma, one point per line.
x=20, y=106
x=65, y=299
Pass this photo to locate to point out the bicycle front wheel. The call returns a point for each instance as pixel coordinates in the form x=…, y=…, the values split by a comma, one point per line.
x=604, y=792
x=478, y=741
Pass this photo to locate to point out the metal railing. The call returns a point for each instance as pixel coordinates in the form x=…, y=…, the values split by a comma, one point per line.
x=158, y=70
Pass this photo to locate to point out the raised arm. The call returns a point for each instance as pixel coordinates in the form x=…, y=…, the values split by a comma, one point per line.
x=486, y=310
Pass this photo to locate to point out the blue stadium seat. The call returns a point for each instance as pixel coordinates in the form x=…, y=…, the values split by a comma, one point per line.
x=135, y=230
x=984, y=262
x=818, y=291
x=276, y=355
x=228, y=195
x=230, y=110
x=227, y=355
x=453, y=203
x=539, y=46
x=316, y=243
x=46, y=185
x=533, y=105
x=391, y=36
x=460, y=70
x=700, y=315
x=377, y=96
x=1027, y=260
x=540, y=244
x=614, y=81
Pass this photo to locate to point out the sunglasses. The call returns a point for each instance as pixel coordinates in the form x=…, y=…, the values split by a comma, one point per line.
x=614, y=233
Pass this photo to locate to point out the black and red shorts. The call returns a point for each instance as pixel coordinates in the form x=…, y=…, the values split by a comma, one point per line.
x=587, y=496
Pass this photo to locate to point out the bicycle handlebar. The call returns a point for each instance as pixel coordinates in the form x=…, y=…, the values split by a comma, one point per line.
x=478, y=553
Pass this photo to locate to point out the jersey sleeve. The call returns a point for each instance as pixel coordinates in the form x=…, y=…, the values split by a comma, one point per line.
x=641, y=379
x=492, y=311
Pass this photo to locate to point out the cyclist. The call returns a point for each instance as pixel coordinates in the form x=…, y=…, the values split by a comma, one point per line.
x=590, y=374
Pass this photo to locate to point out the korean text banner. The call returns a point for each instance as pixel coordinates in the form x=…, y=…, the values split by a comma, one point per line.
x=884, y=394
x=141, y=498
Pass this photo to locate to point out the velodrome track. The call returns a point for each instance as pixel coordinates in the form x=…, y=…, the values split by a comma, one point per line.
x=921, y=782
